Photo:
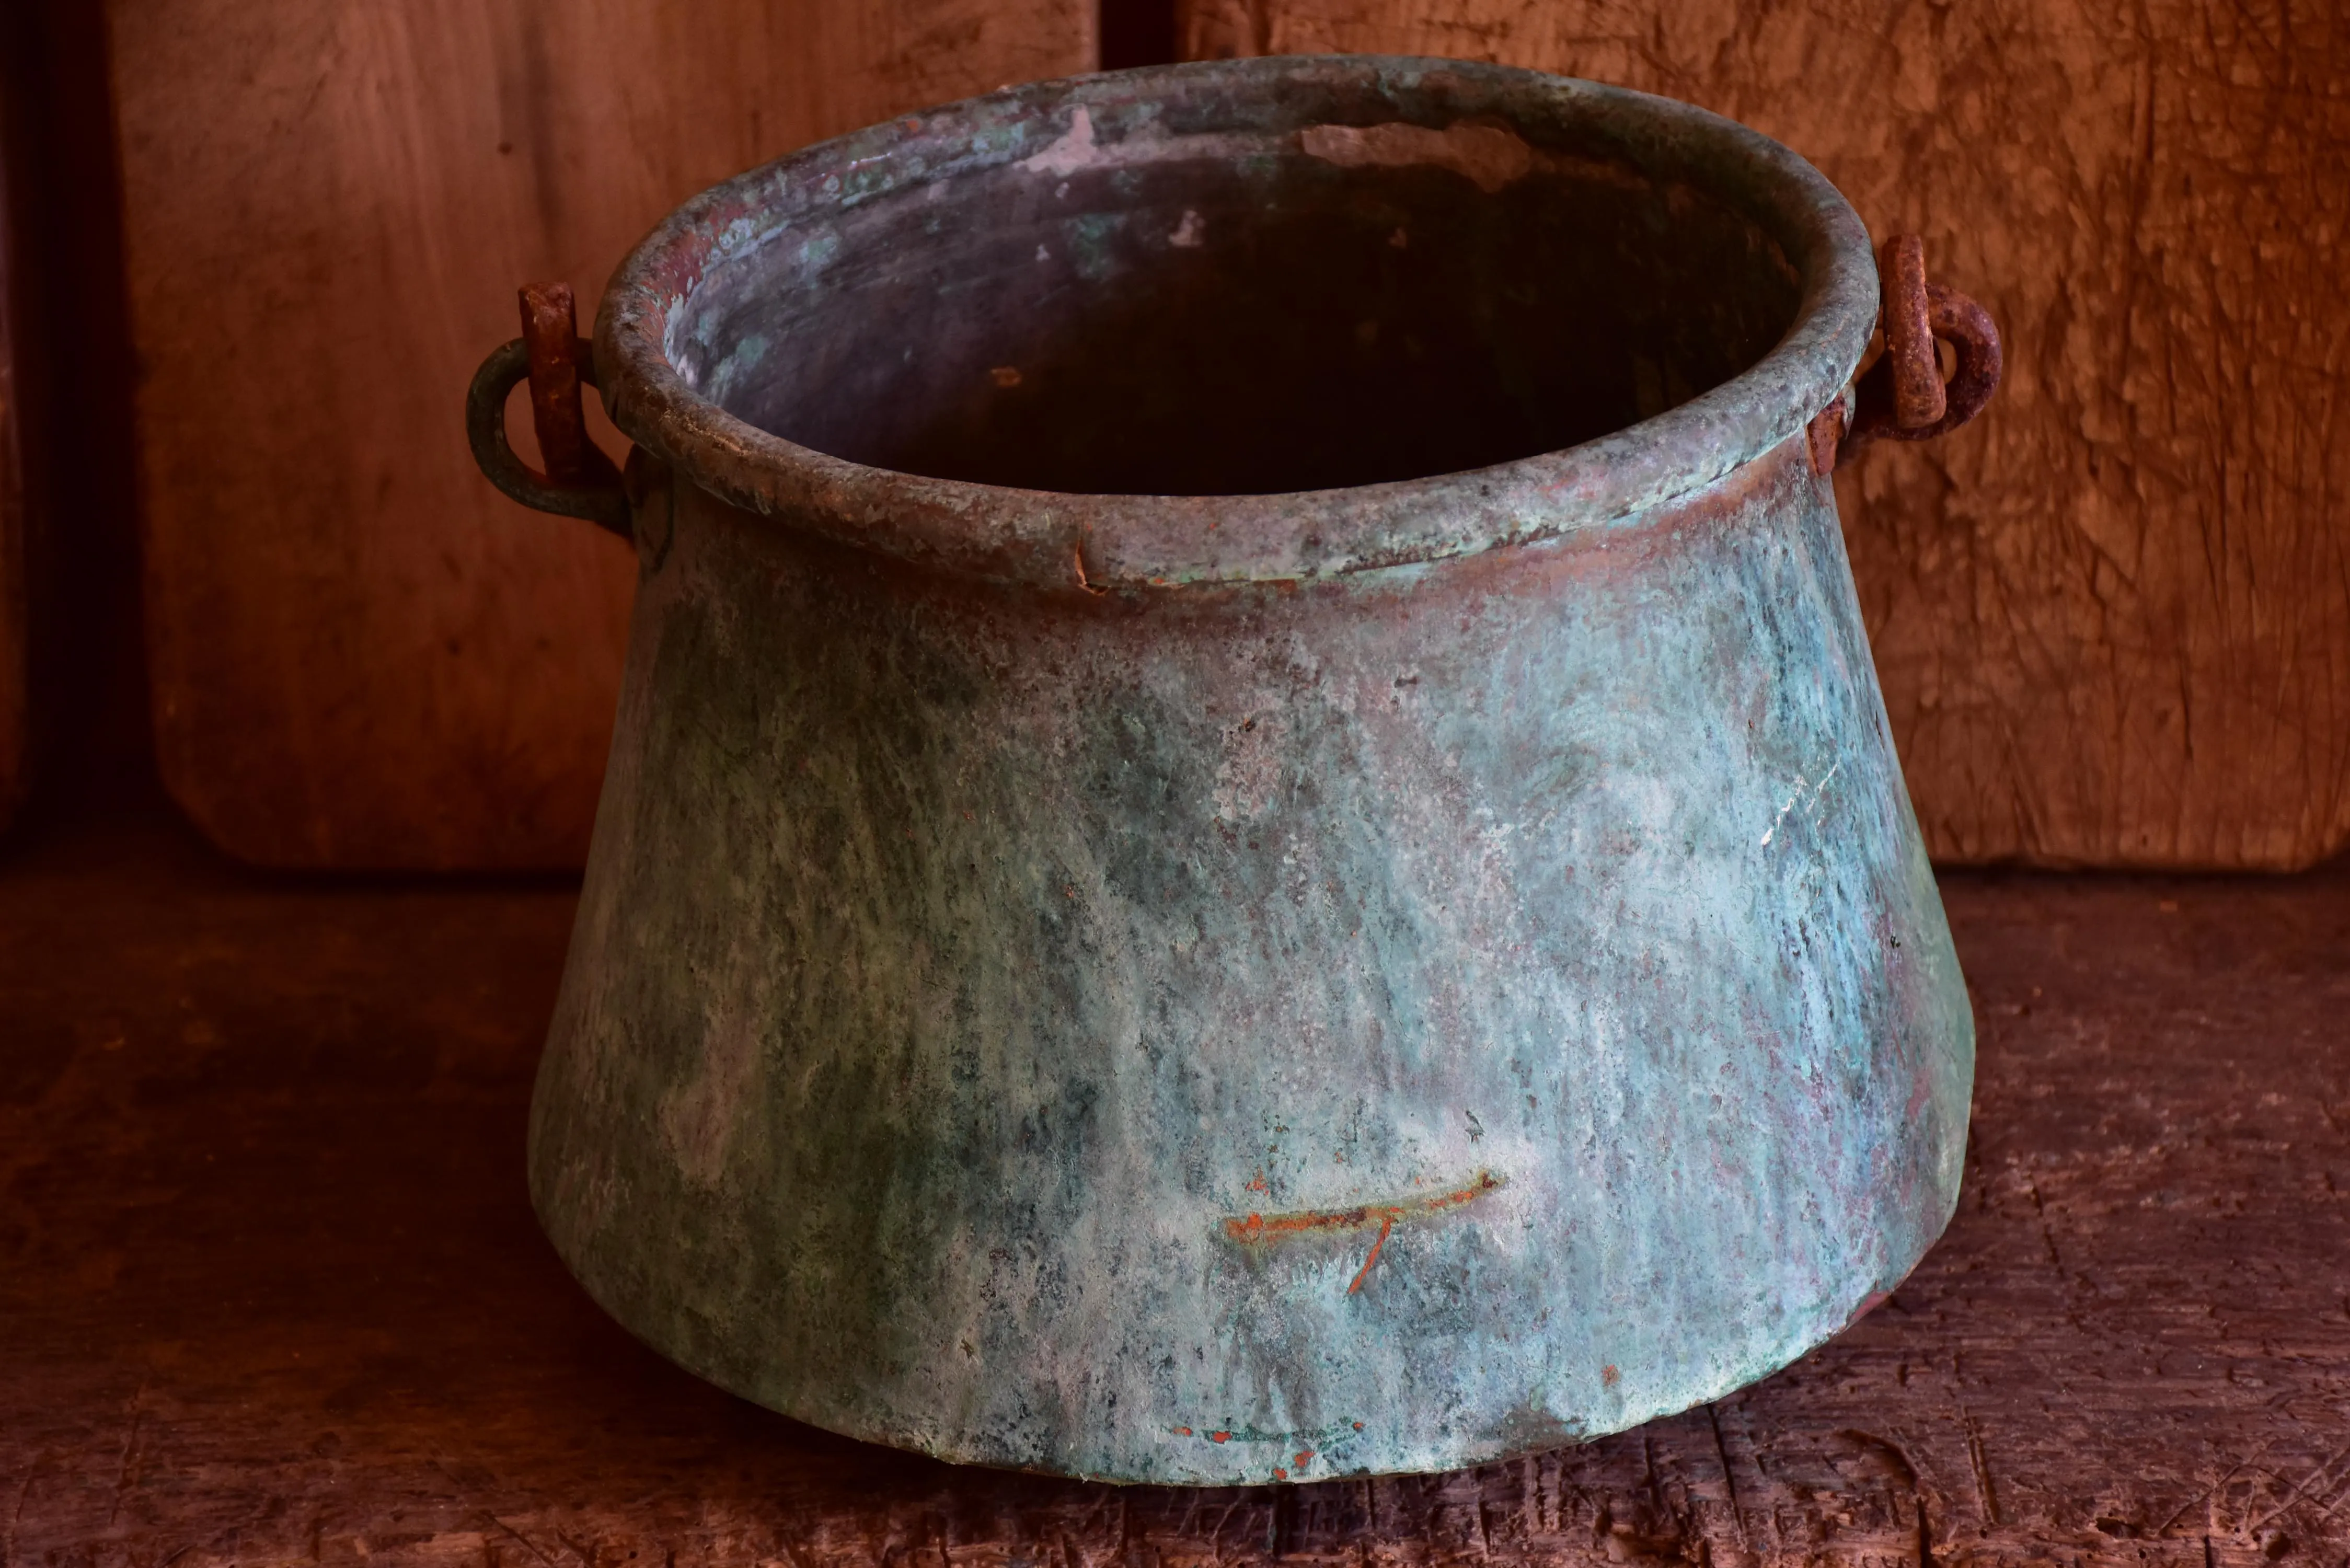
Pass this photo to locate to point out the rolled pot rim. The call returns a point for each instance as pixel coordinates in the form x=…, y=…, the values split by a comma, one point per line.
x=1098, y=541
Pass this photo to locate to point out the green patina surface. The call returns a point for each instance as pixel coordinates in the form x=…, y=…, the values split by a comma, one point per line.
x=1473, y=987
x=943, y=997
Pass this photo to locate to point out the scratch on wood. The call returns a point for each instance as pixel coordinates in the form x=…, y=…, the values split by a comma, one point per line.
x=528, y=1544
x=2339, y=1497
x=1216, y=1536
x=2295, y=1494
x=129, y=1446
x=1981, y=1464
x=1729, y=1481
x=16, y=1518
x=2047, y=1236
x=2226, y=1476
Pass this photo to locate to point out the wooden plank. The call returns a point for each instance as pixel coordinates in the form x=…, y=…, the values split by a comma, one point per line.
x=2112, y=618
x=273, y=1293
x=14, y=689
x=360, y=654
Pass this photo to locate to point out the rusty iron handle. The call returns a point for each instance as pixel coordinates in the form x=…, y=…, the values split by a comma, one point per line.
x=1967, y=328
x=579, y=481
x=1903, y=397
x=1918, y=396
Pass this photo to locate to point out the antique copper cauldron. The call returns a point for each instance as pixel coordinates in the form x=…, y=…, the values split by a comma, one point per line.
x=1251, y=837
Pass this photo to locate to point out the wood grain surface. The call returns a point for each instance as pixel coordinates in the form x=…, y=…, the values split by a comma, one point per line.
x=2112, y=618
x=271, y=1290
x=360, y=654
x=15, y=691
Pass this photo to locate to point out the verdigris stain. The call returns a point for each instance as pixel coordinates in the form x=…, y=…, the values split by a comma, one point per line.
x=1250, y=835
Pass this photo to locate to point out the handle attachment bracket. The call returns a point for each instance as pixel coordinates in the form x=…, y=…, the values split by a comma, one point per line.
x=579, y=481
x=1903, y=395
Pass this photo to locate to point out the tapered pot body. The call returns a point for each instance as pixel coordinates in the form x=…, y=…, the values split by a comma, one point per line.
x=1246, y=988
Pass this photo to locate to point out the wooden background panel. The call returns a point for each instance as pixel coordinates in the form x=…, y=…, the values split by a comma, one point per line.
x=2113, y=618
x=15, y=706
x=15, y=690
x=360, y=654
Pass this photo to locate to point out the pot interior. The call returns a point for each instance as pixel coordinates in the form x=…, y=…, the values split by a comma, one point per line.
x=1270, y=313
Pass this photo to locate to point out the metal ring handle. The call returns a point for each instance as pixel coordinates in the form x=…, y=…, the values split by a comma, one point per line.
x=1903, y=397
x=1973, y=338
x=1918, y=399
x=595, y=494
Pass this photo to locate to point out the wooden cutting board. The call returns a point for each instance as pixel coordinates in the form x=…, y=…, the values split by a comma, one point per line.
x=361, y=655
x=2112, y=617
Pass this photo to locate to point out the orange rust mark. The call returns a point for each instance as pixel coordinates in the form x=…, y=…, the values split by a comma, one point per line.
x=1359, y=1426
x=1078, y=554
x=1258, y=1185
x=1280, y=1474
x=1182, y=1431
x=1220, y=1436
x=1260, y=1227
x=1362, y=1273
x=1303, y=1457
x=1608, y=1375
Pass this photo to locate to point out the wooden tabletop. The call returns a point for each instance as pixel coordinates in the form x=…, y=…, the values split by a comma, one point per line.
x=271, y=1290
